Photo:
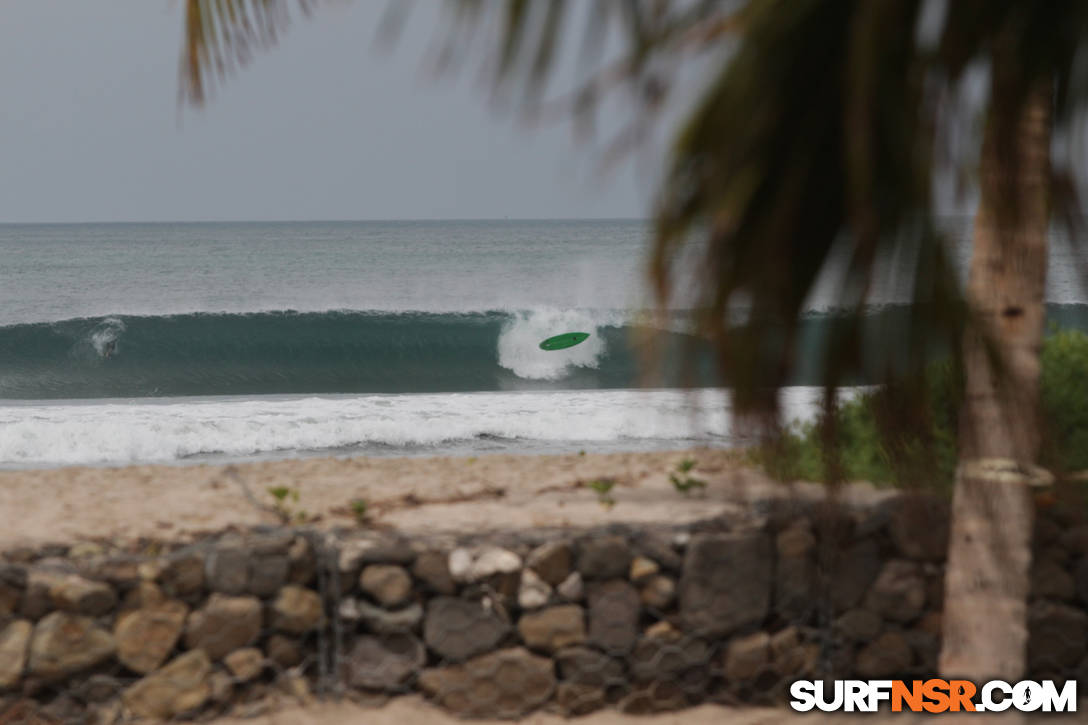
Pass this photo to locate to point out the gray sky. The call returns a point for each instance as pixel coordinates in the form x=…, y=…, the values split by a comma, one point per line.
x=322, y=127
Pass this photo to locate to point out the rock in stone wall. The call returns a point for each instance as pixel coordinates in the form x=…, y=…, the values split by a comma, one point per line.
x=640, y=618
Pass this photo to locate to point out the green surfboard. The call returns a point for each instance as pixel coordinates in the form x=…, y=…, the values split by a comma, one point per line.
x=562, y=342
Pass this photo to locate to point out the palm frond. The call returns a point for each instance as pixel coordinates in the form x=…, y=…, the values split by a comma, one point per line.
x=780, y=168
x=812, y=145
x=222, y=35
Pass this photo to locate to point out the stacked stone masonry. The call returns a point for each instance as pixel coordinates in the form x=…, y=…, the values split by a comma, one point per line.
x=638, y=618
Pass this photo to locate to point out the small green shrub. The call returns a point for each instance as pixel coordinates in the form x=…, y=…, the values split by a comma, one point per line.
x=925, y=453
x=603, y=487
x=283, y=498
x=682, y=482
x=280, y=493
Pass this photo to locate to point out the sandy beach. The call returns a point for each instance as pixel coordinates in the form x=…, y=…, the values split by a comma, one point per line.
x=413, y=494
x=413, y=710
x=500, y=491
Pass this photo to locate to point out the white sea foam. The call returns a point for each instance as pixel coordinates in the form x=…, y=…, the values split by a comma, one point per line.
x=115, y=432
x=105, y=335
x=519, y=341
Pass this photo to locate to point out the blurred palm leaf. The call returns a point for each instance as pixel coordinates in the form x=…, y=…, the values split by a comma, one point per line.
x=812, y=145
x=221, y=35
x=812, y=149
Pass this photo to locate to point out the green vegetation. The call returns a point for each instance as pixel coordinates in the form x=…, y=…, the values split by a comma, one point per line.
x=684, y=483
x=870, y=451
x=1064, y=398
x=284, y=497
x=359, y=511
x=603, y=487
x=281, y=494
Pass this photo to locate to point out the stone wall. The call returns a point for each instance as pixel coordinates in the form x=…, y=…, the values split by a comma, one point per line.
x=640, y=618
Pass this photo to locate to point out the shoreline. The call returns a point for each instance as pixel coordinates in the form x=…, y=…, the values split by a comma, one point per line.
x=381, y=452
x=230, y=429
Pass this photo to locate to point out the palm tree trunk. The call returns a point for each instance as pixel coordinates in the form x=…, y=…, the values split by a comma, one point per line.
x=987, y=579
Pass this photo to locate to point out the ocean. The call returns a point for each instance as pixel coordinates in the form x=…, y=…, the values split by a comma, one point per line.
x=126, y=343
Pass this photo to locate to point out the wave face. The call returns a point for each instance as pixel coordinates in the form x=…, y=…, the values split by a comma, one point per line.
x=311, y=352
x=270, y=353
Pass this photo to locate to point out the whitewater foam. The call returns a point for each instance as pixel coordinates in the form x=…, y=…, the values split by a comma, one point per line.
x=519, y=342
x=104, y=336
x=171, y=430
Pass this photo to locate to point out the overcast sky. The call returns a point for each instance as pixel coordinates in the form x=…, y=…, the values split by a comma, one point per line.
x=322, y=127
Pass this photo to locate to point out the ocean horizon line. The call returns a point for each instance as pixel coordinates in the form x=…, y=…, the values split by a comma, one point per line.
x=375, y=220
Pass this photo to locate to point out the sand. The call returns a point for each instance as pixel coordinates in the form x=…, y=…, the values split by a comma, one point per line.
x=413, y=710
x=414, y=494
x=171, y=502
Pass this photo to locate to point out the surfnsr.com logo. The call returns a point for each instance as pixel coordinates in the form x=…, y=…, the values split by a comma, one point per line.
x=933, y=696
